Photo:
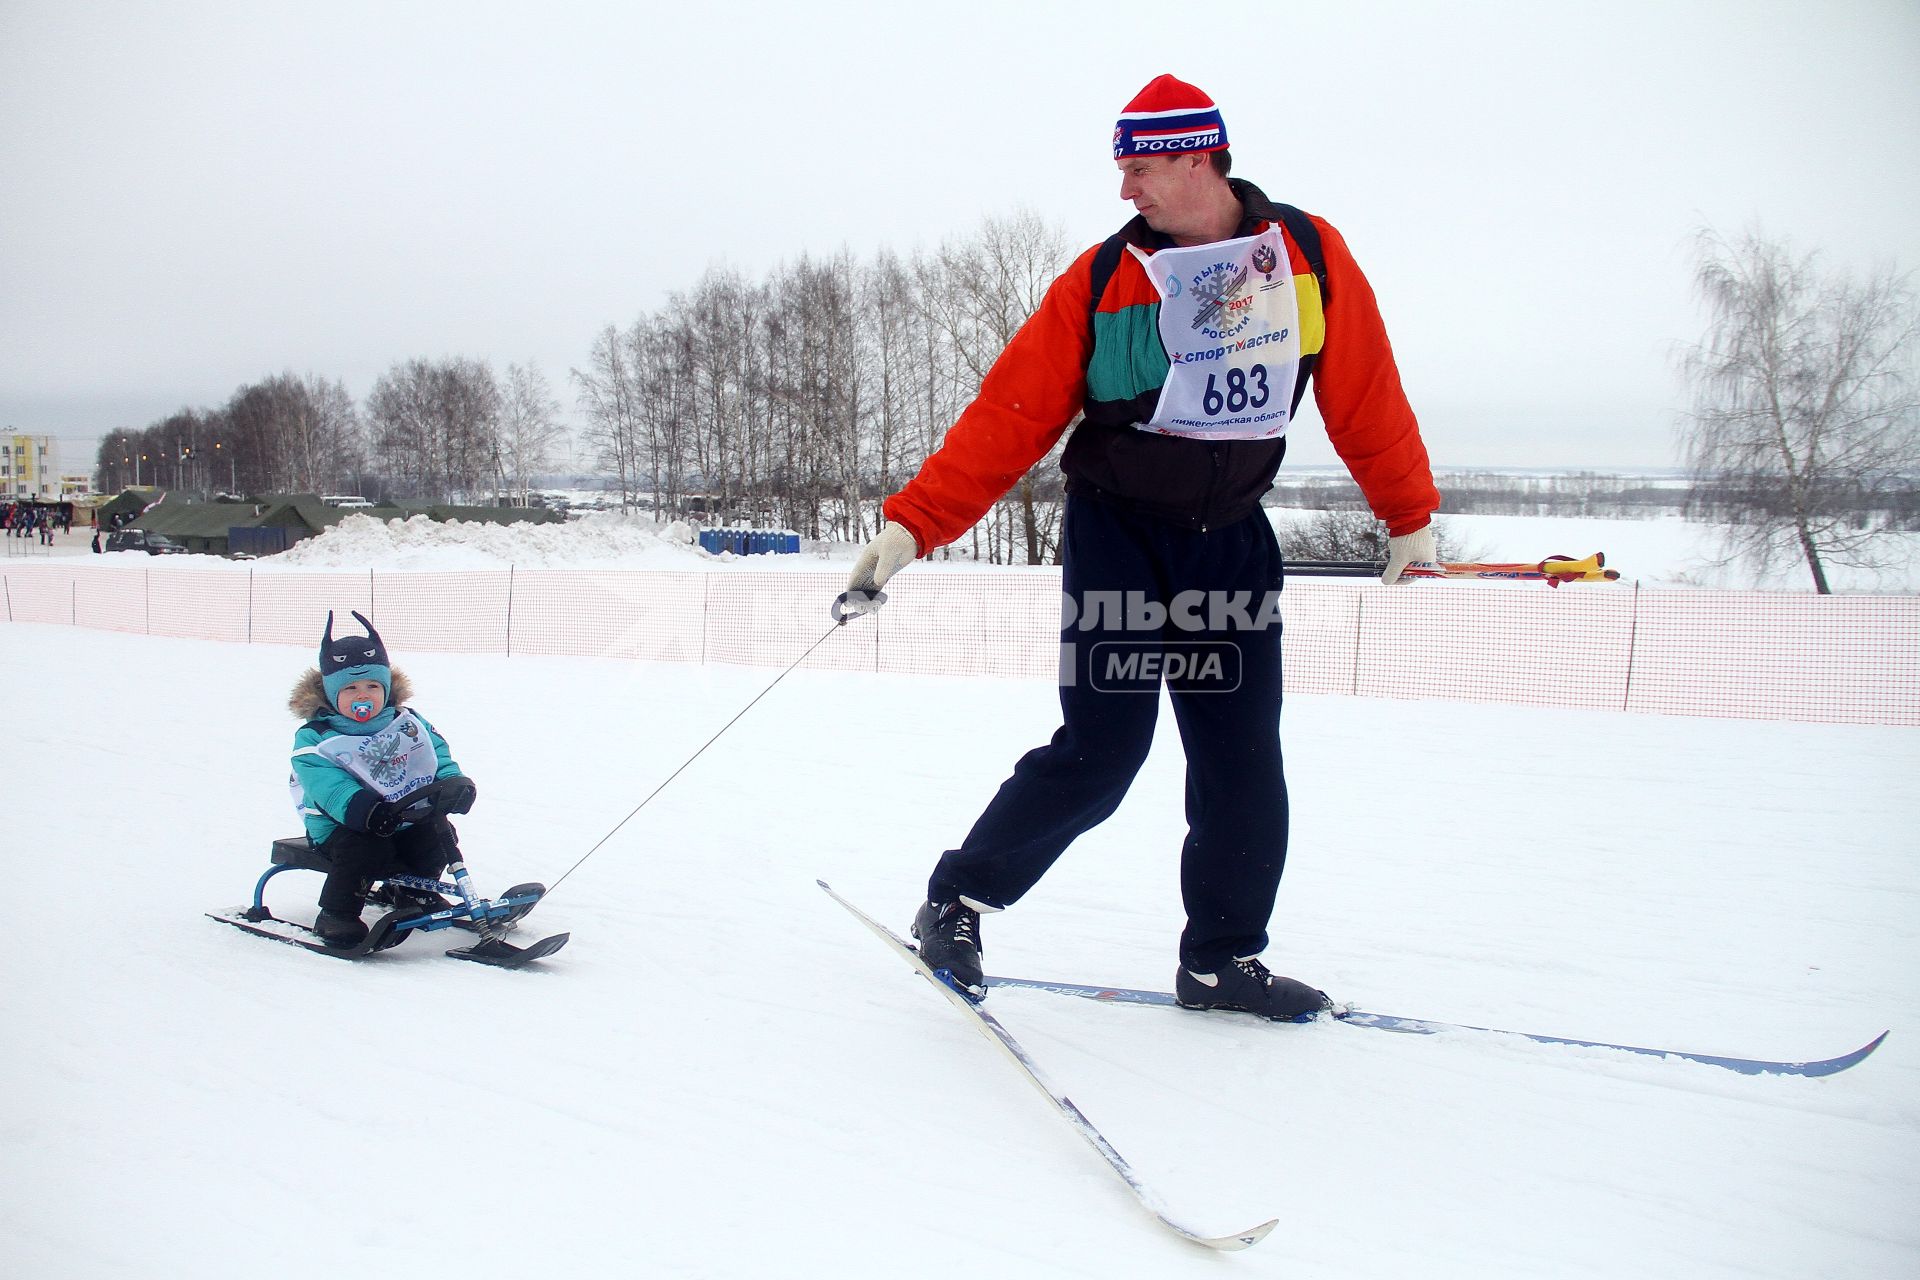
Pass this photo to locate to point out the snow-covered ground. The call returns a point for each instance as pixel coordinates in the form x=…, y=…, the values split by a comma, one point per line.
x=725, y=1076
x=1659, y=552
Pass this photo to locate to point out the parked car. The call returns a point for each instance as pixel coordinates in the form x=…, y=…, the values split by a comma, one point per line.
x=154, y=544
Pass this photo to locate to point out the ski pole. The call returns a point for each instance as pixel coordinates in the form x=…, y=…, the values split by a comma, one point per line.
x=839, y=620
x=1553, y=570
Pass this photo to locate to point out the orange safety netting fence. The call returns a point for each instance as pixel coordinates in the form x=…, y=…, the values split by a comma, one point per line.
x=1846, y=659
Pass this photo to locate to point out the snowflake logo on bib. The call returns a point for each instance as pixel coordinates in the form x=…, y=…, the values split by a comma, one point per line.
x=386, y=759
x=1223, y=312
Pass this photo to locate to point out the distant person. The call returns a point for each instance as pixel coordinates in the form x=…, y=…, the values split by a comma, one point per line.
x=356, y=759
x=1187, y=340
x=96, y=540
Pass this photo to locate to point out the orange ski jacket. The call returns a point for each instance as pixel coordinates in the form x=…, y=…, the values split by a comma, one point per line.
x=1040, y=385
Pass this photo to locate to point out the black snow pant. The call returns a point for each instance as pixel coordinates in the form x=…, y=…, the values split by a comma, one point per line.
x=1147, y=601
x=422, y=849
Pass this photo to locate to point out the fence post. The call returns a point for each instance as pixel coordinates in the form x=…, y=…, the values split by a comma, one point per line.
x=509, y=611
x=6, y=585
x=1359, y=607
x=1633, y=644
x=249, y=604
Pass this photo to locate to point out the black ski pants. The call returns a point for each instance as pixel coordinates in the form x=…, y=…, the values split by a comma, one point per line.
x=1214, y=597
x=422, y=849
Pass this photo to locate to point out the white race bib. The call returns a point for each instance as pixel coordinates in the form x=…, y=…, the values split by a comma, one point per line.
x=396, y=761
x=1230, y=322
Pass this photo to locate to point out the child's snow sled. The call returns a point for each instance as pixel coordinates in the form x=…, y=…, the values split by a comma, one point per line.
x=491, y=918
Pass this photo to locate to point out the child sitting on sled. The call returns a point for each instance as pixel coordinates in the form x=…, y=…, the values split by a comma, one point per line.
x=356, y=758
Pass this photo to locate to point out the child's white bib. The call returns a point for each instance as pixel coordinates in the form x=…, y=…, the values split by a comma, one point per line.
x=396, y=761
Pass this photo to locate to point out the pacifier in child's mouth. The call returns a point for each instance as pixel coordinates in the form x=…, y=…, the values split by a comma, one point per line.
x=361, y=711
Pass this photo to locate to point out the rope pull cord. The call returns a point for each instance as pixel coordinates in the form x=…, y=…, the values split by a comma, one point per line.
x=838, y=623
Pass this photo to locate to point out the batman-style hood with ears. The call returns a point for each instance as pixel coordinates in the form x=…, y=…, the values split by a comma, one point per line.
x=307, y=699
x=352, y=658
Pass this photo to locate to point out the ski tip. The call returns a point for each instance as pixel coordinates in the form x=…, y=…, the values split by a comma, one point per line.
x=1854, y=1059
x=1247, y=1239
x=1226, y=1244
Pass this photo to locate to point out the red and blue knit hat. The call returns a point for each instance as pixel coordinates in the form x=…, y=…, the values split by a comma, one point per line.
x=1167, y=116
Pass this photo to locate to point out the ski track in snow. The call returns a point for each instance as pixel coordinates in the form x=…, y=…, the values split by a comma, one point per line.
x=724, y=1076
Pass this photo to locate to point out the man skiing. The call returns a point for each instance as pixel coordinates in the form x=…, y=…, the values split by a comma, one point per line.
x=1187, y=341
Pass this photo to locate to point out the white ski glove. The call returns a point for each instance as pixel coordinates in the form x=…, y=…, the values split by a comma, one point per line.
x=891, y=550
x=1409, y=549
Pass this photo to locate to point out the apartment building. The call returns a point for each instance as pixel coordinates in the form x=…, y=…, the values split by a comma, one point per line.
x=29, y=467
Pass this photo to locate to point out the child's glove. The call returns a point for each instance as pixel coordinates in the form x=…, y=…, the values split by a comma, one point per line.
x=460, y=793
x=369, y=813
x=383, y=819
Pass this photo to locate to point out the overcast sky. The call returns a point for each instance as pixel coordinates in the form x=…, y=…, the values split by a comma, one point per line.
x=195, y=196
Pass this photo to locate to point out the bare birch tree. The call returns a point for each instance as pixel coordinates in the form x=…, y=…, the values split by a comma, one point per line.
x=608, y=400
x=529, y=428
x=1804, y=407
x=977, y=293
x=435, y=426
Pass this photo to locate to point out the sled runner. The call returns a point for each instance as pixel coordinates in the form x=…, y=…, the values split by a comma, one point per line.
x=491, y=918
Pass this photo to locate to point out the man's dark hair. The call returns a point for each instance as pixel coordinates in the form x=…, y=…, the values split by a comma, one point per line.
x=1222, y=161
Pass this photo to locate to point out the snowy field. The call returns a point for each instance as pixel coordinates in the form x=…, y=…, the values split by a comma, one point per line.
x=724, y=1075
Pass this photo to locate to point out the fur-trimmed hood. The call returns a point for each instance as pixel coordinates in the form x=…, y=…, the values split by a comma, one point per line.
x=309, y=698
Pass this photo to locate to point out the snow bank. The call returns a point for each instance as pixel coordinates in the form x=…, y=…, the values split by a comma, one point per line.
x=1663, y=552
x=597, y=541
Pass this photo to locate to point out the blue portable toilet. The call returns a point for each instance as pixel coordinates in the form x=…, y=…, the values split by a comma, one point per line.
x=750, y=542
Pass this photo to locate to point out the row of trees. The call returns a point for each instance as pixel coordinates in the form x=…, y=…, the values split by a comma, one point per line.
x=448, y=429
x=800, y=399
x=804, y=397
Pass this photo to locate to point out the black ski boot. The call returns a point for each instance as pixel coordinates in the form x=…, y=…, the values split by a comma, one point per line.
x=949, y=937
x=402, y=898
x=1245, y=986
x=339, y=930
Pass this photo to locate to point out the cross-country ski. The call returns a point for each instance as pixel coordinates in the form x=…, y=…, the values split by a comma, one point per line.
x=990, y=1027
x=1426, y=1027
